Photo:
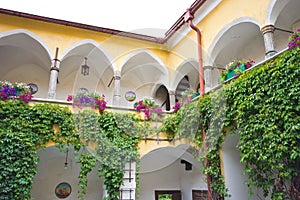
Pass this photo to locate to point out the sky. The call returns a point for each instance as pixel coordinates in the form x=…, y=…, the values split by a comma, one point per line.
x=150, y=17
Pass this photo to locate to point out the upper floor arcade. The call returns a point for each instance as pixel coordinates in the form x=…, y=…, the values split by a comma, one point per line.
x=158, y=68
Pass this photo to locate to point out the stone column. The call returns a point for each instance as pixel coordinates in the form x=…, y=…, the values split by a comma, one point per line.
x=172, y=99
x=117, y=89
x=208, y=78
x=268, y=34
x=53, y=78
x=104, y=194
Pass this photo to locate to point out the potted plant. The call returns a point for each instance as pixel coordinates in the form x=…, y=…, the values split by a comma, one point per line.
x=235, y=68
x=148, y=107
x=85, y=99
x=294, y=40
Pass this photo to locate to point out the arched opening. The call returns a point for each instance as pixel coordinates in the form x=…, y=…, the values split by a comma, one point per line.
x=70, y=79
x=52, y=171
x=170, y=169
x=286, y=18
x=182, y=87
x=242, y=39
x=24, y=58
x=162, y=97
x=141, y=73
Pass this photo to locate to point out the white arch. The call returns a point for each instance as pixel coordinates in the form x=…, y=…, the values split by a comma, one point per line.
x=152, y=55
x=208, y=59
x=175, y=80
x=31, y=35
x=92, y=42
x=274, y=9
x=155, y=88
x=176, y=151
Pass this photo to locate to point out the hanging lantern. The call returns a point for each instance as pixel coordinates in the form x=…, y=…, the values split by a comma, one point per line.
x=85, y=68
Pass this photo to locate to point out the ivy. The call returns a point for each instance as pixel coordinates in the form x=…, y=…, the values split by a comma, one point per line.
x=116, y=137
x=268, y=122
x=24, y=129
x=262, y=106
x=17, y=155
x=87, y=163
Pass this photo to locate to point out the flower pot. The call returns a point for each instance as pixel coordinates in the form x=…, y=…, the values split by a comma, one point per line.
x=235, y=72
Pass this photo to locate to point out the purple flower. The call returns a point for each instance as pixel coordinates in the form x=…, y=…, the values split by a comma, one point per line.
x=177, y=106
x=294, y=40
x=16, y=91
x=92, y=100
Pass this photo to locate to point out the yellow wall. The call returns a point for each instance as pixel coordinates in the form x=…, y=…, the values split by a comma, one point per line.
x=224, y=14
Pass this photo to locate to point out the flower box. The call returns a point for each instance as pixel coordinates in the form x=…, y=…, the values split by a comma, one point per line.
x=91, y=100
x=234, y=69
x=17, y=91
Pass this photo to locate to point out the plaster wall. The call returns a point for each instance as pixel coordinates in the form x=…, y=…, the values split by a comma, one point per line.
x=51, y=172
x=233, y=171
x=172, y=177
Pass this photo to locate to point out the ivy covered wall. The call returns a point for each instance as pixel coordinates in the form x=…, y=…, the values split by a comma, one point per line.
x=261, y=106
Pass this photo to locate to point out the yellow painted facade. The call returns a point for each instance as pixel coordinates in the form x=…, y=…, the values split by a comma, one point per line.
x=119, y=48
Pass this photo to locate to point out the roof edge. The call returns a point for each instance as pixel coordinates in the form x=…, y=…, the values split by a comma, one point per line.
x=193, y=8
x=83, y=26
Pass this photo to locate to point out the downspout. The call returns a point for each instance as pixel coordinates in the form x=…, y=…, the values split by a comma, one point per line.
x=188, y=17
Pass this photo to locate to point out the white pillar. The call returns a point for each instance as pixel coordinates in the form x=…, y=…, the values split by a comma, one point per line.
x=117, y=89
x=53, y=78
x=268, y=34
x=172, y=99
x=208, y=78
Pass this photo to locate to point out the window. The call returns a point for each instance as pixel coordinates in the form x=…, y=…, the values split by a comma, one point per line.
x=199, y=194
x=168, y=195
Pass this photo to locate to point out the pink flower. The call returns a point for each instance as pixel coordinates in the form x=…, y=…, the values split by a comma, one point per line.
x=70, y=98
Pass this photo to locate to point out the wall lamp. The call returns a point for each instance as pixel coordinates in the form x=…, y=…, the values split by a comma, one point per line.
x=85, y=69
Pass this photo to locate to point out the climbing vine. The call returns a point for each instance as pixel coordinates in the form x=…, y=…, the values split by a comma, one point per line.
x=87, y=163
x=262, y=107
x=24, y=129
x=116, y=137
x=264, y=104
x=17, y=155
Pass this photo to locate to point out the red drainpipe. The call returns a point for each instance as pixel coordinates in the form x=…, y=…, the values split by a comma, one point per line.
x=188, y=17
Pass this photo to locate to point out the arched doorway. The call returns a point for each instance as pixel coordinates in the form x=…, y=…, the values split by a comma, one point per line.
x=170, y=171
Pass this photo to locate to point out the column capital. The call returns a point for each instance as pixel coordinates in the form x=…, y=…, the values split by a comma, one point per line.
x=117, y=75
x=171, y=92
x=55, y=64
x=207, y=67
x=268, y=28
